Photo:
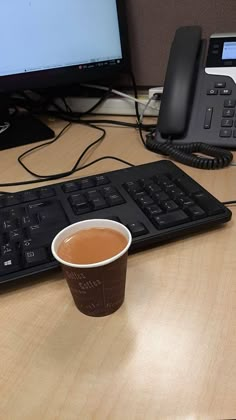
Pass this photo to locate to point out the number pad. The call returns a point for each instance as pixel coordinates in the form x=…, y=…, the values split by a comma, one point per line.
x=228, y=111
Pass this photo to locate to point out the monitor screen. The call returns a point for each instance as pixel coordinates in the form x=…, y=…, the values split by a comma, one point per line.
x=54, y=44
x=50, y=42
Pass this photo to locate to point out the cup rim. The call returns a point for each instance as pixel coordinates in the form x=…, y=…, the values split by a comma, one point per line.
x=88, y=222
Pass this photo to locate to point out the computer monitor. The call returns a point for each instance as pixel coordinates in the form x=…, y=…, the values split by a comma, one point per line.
x=56, y=43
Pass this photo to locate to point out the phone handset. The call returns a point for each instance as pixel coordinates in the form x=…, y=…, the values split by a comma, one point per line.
x=179, y=82
x=176, y=105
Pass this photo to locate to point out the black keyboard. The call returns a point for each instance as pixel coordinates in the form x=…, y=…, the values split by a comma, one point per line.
x=156, y=201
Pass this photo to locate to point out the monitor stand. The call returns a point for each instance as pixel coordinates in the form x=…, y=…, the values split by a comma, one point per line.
x=22, y=129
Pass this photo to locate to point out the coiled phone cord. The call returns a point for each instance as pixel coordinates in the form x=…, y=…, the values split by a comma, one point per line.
x=184, y=153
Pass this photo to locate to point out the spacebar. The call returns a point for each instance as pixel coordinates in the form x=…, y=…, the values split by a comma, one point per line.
x=167, y=220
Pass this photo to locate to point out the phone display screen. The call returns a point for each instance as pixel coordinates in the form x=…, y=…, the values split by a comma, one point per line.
x=229, y=51
x=222, y=51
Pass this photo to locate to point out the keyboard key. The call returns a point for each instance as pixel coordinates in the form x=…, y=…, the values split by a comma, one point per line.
x=152, y=210
x=162, y=180
x=115, y=199
x=81, y=209
x=77, y=199
x=49, y=216
x=133, y=187
x=42, y=235
x=35, y=257
x=188, y=185
x=144, y=200
x=46, y=192
x=137, y=229
x=15, y=235
x=210, y=206
x=11, y=199
x=98, y=203
x=170, y=205
x=29, y=244
x=108, y=191
x=34, y=208
x=167, y=220
x=86, y=183
x=160, y=197
x=101, y=180
x=174, y=192
x=9, y=264
x=96, y=200
x=8, y=225
x=27, y=196
x=7, y=249
x=152, y=188
x=184, y=201
x=92, y=194
x=79, y=204
x=28, y=220
x=195, y=212
x=146, y=182
x=15, y=212
x=2, y=200
x=70, y=187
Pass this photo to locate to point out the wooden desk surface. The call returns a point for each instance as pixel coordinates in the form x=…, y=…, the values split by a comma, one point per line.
x=169, y=352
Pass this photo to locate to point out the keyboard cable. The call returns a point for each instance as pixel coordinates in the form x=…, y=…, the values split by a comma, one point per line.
x=45, y=178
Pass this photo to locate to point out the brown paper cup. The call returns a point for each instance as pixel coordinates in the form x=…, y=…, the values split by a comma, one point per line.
x=97, y=289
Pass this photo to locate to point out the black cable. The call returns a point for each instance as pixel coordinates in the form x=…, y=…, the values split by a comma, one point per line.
x=72, y=170
x=36, y=181
x=99, y=102
x=146, y=127
x=229, y=202
x=68, y=108
x=104, y=158
x=44, y=178
x=184, y=153
x=78, y=115
x=139, y=125
x=44, y=102
x=131, y=74
x=40, y=146
x=67, y=115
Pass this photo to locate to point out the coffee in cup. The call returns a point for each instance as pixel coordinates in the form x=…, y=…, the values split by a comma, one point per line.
x=93, y=256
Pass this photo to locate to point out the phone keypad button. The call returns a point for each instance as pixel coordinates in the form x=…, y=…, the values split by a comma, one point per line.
x=225, y=132
x=229, y=103
x=220, y=84
x=228, y=112
x=225, y=91
x=208, y=117
x=226, y=122
x=212, y=92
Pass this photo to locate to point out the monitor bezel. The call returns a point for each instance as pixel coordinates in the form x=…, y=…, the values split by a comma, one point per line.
x=65, y=76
